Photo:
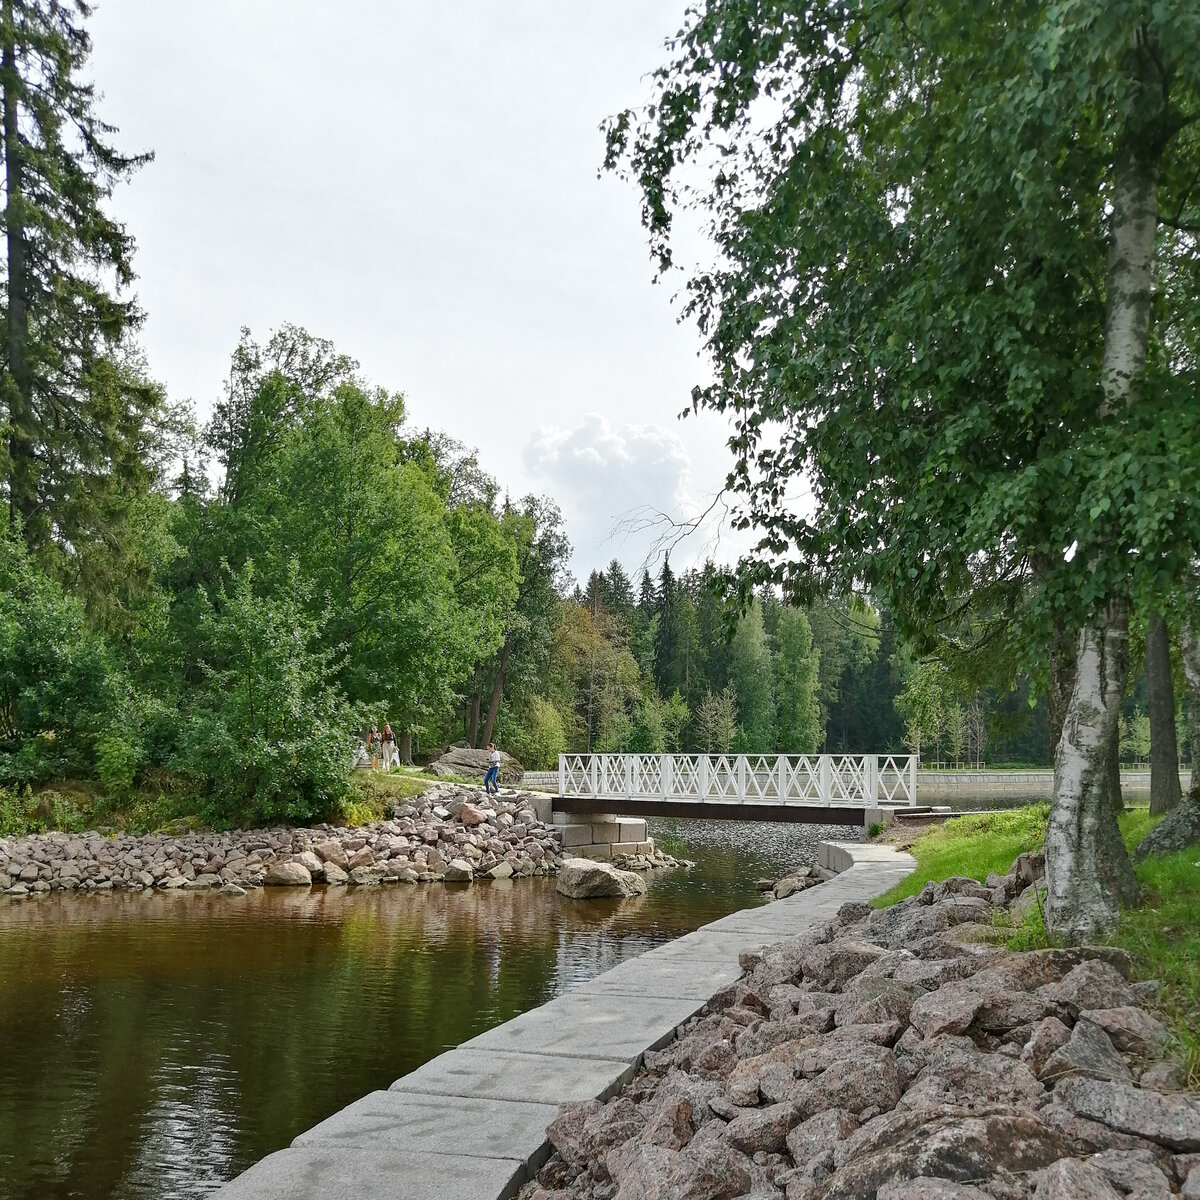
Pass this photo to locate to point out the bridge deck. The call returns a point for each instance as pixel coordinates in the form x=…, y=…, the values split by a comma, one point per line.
x=711, y=810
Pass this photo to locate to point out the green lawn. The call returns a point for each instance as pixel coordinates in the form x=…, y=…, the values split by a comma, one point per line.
x=1162, y=936
x=972, y=845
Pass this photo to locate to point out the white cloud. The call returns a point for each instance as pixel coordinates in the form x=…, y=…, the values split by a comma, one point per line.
x=603, y=475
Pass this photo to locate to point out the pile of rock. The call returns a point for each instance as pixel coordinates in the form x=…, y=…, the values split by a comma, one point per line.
x=648, y=861
x=895, y=1055
x=447, y=833
x=794, y=881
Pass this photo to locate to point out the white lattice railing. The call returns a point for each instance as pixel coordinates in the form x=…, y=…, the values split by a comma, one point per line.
x=819, y=779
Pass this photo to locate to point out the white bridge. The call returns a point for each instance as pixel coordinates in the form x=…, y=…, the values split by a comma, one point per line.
x=777, y=787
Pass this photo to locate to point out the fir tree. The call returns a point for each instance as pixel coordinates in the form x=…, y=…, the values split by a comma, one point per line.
x=75, y=415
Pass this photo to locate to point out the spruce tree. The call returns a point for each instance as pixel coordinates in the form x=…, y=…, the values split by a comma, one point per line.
x=74, y=415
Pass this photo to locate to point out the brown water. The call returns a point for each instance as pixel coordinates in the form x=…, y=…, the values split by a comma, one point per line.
x=154, y=1046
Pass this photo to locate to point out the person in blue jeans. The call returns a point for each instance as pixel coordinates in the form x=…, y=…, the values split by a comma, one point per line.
x=491, y=781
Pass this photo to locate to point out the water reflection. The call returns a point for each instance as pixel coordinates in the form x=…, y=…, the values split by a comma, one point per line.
x=156, y=1045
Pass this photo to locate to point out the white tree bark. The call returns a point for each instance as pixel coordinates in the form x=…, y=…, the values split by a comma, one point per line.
x=1088, y=872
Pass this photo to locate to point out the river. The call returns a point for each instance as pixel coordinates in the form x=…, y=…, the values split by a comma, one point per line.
x=154, y=1046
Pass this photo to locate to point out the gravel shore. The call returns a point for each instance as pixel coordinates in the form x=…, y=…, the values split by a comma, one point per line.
x=897, y=1054
x=448, y=833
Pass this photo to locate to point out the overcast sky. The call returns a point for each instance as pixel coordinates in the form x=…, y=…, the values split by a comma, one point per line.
x=417, y=181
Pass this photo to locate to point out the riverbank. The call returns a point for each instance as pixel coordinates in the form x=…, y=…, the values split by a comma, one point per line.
x=448, y=833
x=1162, y=936
x=897, y=1054
x=473, y=1123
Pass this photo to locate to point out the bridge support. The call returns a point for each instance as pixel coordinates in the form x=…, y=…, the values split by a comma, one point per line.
x=603, y=835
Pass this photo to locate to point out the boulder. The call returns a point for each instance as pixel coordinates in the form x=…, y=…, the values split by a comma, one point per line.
x=1138, y=1174
x=287, y=874
x=1088, y=1052
x=335, y=876
x=1047, y=1037
x=502, y=870
x=672, y=1125
x=865, y=1076
x=333, y=852
x=708, y=1168
x=819, y=1134
x=947, y=1143
x=927, y=1188
x=1171, y=1121
x=1091, y=984
x=834, y=964
x=1072, y=1179
x=1131, y=1029
x=473, y=764
x=471, y=814
x=362, y=857
x=586, y=879
x=311, y=863
x=203, y=881
x=950, y=1009
x=366, y=876
x=762, y=1128
x=458, y=870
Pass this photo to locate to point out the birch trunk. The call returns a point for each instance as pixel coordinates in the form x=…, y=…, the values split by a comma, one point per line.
x=1062, y=681
x=1088, y=872
x=1165, y=792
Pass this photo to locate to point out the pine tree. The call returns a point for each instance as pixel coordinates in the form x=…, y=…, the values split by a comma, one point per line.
x=74, y=415
x=647, y=597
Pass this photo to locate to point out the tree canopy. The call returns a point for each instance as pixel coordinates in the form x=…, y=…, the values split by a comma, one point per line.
x=941, y=235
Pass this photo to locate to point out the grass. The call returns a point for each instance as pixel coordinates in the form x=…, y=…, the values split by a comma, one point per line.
x=1162, y=936
x=971, y=845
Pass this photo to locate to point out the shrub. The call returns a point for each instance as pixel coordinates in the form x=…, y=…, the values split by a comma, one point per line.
x=58, y=682
x=268, y=731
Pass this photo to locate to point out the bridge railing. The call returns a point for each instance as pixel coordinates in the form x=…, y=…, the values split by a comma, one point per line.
x=817, y=779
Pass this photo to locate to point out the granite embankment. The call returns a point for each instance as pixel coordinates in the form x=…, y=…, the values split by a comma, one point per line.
x=447, y=833
x=897, y=1054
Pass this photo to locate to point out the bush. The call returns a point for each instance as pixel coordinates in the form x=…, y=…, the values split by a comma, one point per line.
x=23, y=811
x=268, y=732
x=118, y=757
x=58, y=683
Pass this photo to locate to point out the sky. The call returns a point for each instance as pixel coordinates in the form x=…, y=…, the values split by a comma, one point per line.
x=418, y=182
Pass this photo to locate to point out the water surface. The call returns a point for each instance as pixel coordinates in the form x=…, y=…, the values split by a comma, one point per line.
x=152, y=1046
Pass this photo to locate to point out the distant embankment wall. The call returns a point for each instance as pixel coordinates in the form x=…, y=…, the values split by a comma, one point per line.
x=953, y=787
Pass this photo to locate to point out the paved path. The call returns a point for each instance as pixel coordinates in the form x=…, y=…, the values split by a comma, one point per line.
x=471, y=1123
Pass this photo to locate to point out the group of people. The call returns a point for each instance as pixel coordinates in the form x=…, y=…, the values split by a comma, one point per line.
x=383, y=753
x=382, y=749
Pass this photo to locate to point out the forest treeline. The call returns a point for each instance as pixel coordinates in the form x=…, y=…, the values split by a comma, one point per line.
x=211, y=610
x=259, y=588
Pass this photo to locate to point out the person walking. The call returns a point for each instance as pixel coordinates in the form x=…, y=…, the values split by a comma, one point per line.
x=492, y=778
x=387, y=744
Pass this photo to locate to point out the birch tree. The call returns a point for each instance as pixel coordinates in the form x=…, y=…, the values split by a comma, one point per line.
x=936, y=230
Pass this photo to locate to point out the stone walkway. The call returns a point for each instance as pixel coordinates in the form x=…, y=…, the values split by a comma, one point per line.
x=471, y=1123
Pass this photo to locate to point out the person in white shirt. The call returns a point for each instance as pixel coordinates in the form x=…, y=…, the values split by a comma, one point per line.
x=492, y=779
